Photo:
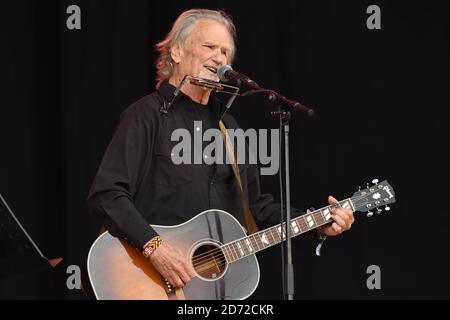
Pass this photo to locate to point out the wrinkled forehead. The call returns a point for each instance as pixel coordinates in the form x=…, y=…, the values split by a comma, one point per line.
x=212, y=32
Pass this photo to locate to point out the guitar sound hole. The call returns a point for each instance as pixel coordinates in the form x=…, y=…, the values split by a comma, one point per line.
x=208, y=261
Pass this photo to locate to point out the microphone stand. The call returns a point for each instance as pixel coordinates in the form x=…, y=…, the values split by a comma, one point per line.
x=288, y=267
x=284, y=114
x=289, y=272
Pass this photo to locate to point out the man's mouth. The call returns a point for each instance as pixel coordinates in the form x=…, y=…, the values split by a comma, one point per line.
x=211, y=69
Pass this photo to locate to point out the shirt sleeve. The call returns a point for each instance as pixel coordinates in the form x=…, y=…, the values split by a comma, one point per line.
x=112, y=192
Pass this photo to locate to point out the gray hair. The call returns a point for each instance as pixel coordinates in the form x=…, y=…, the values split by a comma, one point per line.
x=179, y=33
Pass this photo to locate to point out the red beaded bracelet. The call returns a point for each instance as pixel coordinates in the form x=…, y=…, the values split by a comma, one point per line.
x=151, y=246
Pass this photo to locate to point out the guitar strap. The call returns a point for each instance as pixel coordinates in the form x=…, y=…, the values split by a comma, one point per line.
x=249, y=220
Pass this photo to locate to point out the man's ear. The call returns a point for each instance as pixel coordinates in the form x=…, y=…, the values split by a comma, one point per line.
x=176, y=52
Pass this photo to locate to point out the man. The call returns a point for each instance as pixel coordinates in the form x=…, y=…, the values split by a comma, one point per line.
x=137, y=183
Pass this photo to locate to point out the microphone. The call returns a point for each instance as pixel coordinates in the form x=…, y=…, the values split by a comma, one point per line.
x=226, y=73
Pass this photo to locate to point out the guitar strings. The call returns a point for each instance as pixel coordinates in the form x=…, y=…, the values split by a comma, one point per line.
x=302, y=223
x=219, y=269
x=203, y=264
x=222, y=250
x=232, y=251
x=215, y=261
x=254, y=241
x=199, y=258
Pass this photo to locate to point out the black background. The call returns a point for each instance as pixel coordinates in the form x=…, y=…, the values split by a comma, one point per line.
x=381, y=99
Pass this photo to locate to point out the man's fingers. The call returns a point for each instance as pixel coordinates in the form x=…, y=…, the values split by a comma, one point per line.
x=172, y=265
x=332, y=200
x=174, y=280
x=336, y=227
x=182, y=273
x=345, y=215
x=189, y=269
x=351, y=216
x=186, y=267
x=177, y=282
x=340, y=222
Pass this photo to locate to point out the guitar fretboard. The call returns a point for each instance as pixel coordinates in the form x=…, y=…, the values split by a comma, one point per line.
x=244, y=247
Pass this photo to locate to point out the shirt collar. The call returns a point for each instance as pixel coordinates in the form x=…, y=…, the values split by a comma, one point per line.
x=166, y=90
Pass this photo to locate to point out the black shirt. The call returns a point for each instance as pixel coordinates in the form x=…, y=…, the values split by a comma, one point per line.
x=138, y=184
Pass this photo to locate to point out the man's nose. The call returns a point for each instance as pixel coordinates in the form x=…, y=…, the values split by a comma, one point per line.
x=219, y=58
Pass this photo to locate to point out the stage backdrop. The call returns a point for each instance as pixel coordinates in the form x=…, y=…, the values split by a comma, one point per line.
x=382, y=109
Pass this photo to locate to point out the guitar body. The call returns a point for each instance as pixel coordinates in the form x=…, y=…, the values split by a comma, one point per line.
x=118, y=271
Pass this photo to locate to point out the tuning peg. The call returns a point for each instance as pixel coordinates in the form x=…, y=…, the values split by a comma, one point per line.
x=379, y=211
x=367, y=185
x=375, y=181
x=359, y=188
x=387, y=208
x=369, y=214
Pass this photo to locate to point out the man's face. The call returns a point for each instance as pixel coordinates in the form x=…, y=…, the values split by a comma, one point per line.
x=207, y=47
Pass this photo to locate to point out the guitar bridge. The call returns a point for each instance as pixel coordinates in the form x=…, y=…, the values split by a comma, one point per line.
x=168, y=287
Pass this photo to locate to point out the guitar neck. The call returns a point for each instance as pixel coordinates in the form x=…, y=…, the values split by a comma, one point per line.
x=261, y=240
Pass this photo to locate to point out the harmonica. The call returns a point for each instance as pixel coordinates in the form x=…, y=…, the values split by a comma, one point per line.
x=206, y=83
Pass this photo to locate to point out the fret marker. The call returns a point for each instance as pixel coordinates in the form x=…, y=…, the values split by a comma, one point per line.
x=240, y=249
x=310, y=221
x=294, y=226
x=327, y=214
x=249, y=245
x=264, y=239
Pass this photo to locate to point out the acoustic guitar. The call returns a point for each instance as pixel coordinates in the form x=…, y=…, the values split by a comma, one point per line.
x=222, y=255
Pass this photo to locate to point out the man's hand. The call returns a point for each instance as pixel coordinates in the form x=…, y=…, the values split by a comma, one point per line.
x=172, y=265
x=343, y=220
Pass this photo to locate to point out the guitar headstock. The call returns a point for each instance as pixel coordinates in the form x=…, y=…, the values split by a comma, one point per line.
x=373, y=197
